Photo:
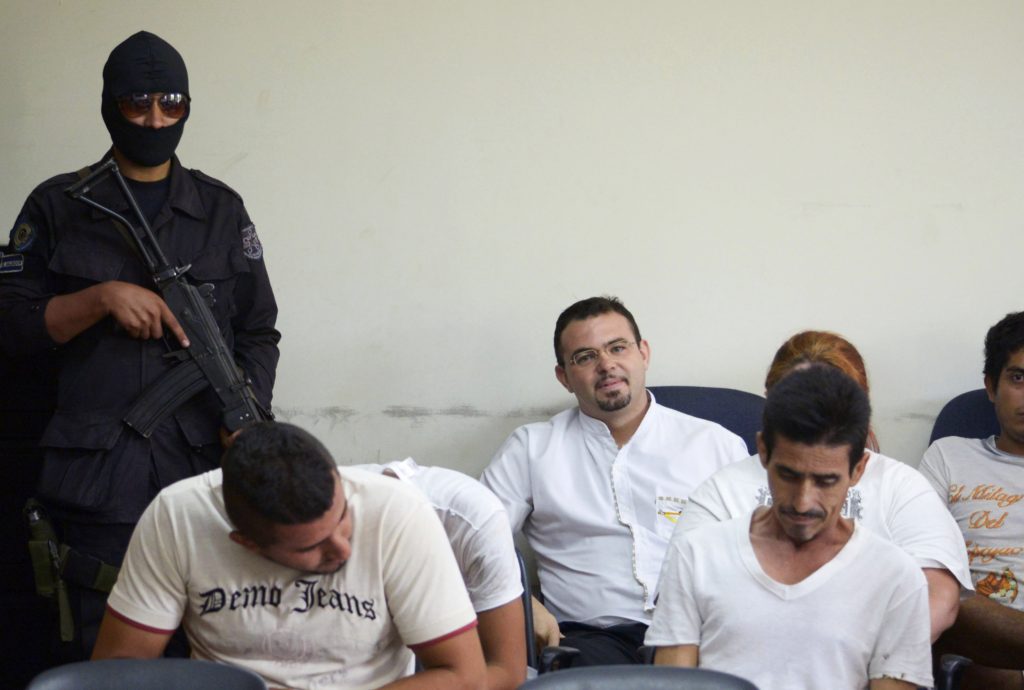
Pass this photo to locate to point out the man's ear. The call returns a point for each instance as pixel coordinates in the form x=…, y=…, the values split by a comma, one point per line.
x=562, y=377
x=243, y=540
x=990, y=388
x=645, y=352
x=762, y=450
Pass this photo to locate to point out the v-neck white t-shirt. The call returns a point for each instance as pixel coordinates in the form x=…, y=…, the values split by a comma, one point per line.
x=862, y=615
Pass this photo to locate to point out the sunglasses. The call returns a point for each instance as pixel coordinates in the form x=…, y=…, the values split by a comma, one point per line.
x=173, y=105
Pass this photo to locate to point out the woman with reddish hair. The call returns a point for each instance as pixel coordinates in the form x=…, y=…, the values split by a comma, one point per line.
x=822, y=347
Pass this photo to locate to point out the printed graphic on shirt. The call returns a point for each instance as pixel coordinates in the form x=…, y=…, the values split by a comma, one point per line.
x=987, y=554
x=853, y=506
x=304, y=596
x=1001, y=587
x=251, y=246
x=983, y=492
x=983, y=512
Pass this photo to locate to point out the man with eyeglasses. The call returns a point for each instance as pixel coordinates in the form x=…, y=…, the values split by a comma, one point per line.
x=76, y=286
x=596, y=489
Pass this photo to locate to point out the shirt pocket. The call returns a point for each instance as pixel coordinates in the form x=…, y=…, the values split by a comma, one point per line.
x=79, y=470
x=86, y=264
x=82, y=429
x=220, y=266
x=668, y=508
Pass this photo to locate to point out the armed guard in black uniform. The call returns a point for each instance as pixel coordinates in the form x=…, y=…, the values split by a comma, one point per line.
x=76, y=287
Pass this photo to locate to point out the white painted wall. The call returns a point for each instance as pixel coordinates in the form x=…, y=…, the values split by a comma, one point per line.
x=435, y=180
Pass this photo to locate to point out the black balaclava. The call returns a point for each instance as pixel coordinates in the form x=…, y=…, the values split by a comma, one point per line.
x=143, y=63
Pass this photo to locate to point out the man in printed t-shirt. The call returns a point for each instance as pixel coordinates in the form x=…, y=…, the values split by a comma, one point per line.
x=982, y=482
x=308, y=576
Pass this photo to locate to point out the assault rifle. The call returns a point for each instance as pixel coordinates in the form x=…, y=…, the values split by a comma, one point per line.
x=206, y=362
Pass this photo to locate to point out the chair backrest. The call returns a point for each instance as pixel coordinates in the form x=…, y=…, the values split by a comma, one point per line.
x=969, y=414
x=531, y=642
x=637, y=678
x=738, y=411
x=151, y=674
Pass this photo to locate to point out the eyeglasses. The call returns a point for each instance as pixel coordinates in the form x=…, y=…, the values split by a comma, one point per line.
x=138, y=104
x=616, y=349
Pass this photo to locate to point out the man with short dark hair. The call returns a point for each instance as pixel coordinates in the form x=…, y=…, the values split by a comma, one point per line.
x=311, y=577
x=795, y=595
x=596, y=489
x=981, y=482
x=74, y=284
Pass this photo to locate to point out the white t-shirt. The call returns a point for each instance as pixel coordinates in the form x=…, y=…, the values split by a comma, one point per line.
x=599, y=517
x=477, y=527
x=983, y=488
x=892, y=500
x=401, y=587
x=863, y=615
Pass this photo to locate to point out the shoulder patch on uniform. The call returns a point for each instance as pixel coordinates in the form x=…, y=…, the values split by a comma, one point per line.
x=251, y=246
x=11, y=263
x=22, y=236
x=203, y=177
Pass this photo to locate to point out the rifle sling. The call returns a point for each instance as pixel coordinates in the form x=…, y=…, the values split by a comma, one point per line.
x=121, y=229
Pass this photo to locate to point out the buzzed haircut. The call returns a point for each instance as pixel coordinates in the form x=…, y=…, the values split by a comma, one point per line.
x=588, y=308
x=276, y=473
x=1003, y=340
x=816, y=405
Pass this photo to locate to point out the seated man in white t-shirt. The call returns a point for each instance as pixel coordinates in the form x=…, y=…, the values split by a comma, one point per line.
x=982, y=483
x=891, y=499
x=596, y=489
x=311, y=577
x=477, y=527
x=794, y=595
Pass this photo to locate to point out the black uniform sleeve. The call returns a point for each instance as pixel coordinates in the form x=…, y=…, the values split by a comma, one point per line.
x=26, y=284
x=254, y=322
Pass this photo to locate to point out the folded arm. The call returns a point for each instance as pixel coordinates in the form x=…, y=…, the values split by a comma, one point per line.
x=455, y=663
x=119, y=639
x=943, y=599
x=684, y=655
x=502, y=633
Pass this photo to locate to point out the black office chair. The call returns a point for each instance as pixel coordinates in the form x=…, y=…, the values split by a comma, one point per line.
x=969, y=414
x=637, y=678
x=549, y=658
x=150, y=674
x=951, y=670
x=531, y=642
x=738, y=411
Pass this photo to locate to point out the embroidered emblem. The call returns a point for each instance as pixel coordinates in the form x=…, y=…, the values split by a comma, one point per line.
x=11, y=263
x=669, y=507
x=251, y=246
x=22, y=237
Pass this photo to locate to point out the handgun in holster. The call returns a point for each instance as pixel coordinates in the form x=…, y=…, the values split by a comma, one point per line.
x=55, y=564
x=44, y=550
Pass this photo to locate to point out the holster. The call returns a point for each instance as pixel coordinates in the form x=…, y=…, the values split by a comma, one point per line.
x=55, y=564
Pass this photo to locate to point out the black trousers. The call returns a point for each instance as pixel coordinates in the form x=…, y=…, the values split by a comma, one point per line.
x=618, y=644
